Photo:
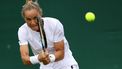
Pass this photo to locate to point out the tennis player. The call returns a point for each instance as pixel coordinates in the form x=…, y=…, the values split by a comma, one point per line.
x=57, y=54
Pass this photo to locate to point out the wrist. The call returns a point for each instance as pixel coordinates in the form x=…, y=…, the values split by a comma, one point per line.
x=52, y=58
x=34, y=59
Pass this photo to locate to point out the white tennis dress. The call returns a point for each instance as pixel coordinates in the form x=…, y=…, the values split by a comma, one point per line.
x=54, y=32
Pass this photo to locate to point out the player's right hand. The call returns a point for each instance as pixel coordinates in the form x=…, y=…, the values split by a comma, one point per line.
x=44, y=57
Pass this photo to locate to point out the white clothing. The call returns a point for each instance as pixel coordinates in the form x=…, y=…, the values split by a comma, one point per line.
x=54, y=33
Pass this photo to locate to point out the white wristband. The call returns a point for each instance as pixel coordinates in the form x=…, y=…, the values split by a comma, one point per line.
x=34, y=59
x=52, y=58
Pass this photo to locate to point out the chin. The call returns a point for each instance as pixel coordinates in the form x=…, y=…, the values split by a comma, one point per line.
x=37, y=30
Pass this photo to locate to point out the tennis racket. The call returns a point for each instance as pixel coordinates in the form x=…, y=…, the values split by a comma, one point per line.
x=42, y=33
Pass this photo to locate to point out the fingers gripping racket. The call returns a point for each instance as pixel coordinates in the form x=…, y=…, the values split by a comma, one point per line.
x=42, y=33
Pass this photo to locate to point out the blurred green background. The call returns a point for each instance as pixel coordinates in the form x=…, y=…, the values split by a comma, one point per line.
x=95, y=45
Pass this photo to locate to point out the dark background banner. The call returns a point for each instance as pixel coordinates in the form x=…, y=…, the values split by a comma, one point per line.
x=96, y=45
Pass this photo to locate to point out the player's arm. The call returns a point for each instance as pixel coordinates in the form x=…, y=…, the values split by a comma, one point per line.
x=58, y=41
x=59, y=50
x=24, y=51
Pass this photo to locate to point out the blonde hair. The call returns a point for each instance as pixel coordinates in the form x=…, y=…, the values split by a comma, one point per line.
x=29, y=6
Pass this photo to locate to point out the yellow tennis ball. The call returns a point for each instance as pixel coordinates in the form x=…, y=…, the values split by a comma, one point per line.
x=90, y=16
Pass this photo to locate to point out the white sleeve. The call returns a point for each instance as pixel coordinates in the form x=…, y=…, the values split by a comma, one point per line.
x=59, y=32
x=22, y=36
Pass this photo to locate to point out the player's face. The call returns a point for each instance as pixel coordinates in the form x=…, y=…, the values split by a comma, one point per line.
x=31, y=19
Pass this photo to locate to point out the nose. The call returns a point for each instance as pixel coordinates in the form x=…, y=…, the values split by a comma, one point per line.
x=33, y=22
